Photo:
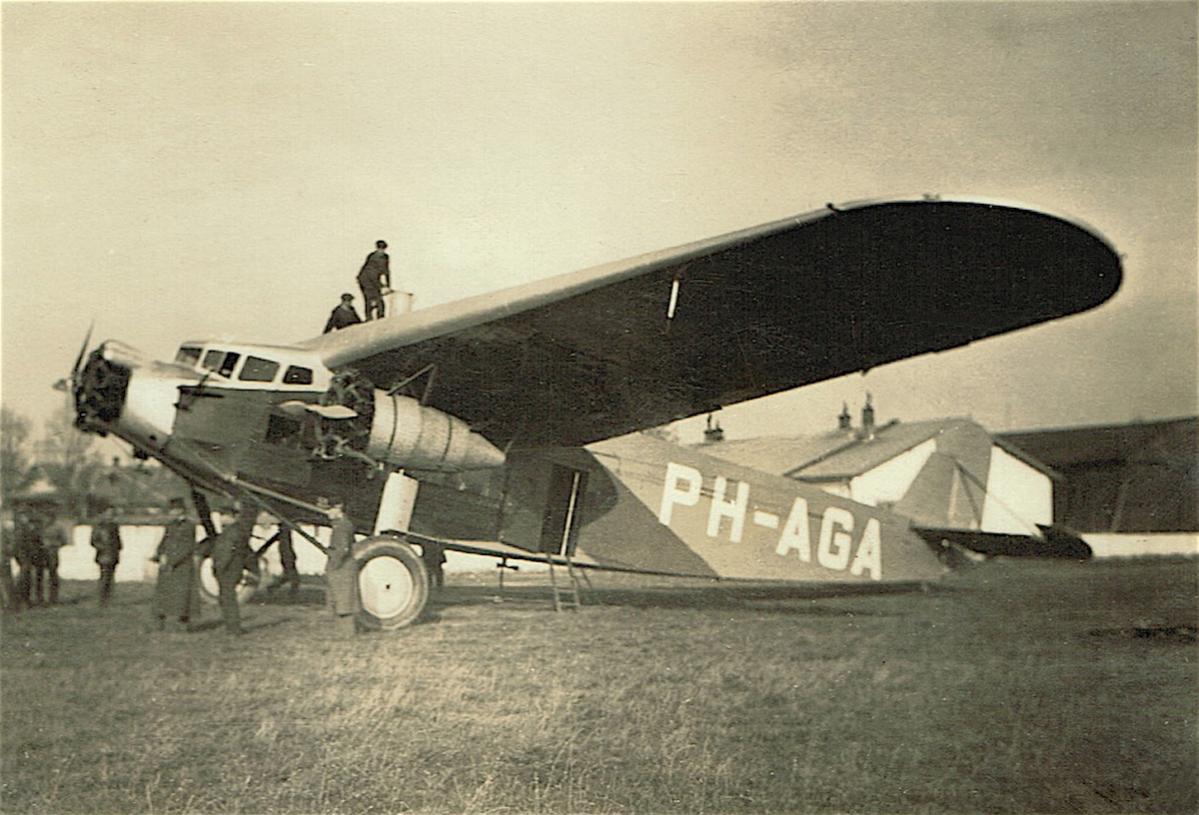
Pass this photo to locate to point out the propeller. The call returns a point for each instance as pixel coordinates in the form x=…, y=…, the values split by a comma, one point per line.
x=68, y=385
x=297, y=408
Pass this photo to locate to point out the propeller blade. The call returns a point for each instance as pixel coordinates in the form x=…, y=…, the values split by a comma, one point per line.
x=82, y=350
x=297, y=408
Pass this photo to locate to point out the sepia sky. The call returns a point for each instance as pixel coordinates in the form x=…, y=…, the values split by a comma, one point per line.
x=180, y=171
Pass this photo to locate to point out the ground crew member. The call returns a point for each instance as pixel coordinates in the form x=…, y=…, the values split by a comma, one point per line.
x=433, y=554
x=230, y=553
x=374, y=278
x=287, y=557
x=27, y=541
x=8, y=542
x=175, y=592
x=341, y=571
x=54, y=537
x=106, y=540
x=343, y=314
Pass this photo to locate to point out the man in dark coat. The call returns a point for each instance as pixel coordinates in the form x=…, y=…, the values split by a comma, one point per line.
x=175, y=593
x=106, y=540
x=341, y=571
x=343, y=314
x=374, y=278
x=8, y=543
x=230, y=554
x=287, y=557
x=27, y=541
x=54, y=538
x=433, y=554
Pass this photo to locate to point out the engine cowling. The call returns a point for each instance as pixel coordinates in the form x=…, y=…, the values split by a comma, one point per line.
x=402, y=432
x=407, y=434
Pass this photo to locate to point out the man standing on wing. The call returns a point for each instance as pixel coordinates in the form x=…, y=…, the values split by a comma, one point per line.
x=374, y=278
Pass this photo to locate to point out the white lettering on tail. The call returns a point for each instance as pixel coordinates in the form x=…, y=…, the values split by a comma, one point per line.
x=834, y=546
x=676, y=474
x=733, y=510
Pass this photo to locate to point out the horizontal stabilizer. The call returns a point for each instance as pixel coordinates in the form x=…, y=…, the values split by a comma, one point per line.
x=1053, y=542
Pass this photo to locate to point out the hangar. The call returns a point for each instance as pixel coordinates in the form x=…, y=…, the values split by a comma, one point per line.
x=945, y=473
x=1129, y=488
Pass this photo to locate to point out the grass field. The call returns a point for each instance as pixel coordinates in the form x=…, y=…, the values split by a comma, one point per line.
x=1010, y=687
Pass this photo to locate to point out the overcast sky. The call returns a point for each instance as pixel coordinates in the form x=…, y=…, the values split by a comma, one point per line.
x=194, y=170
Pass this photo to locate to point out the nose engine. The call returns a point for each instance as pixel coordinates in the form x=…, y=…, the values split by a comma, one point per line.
x=100, y=393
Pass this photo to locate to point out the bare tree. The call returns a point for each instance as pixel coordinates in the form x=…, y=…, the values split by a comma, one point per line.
x=16, y=457
x=68, y=459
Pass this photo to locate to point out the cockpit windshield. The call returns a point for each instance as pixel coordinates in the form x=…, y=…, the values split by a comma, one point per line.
x=188, y=355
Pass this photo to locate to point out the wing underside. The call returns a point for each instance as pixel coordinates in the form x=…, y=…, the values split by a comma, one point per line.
x=598, y=353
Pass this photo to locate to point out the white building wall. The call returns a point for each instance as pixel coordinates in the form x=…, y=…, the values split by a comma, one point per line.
x=1018, y=496
x=888, y=482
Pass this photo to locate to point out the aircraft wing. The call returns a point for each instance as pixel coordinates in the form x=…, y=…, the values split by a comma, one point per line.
x=624, y=346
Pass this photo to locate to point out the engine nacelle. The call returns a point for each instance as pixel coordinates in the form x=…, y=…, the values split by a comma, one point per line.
x=407, y=434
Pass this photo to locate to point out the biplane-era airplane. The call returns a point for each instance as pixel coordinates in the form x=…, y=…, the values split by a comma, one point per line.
x=516, y=410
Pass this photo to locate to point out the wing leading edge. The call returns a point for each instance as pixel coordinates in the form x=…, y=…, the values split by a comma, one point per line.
x=593, y=354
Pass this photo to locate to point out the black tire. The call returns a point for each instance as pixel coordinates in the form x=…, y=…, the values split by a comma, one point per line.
x=393, y=586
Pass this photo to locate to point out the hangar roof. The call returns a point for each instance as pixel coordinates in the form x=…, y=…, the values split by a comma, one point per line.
x=843, y=454
x=829, y=456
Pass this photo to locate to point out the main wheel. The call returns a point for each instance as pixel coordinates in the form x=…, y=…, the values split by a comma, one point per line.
x=393, y=586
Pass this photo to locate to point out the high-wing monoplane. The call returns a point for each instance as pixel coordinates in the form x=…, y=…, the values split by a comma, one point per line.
x=516, y=410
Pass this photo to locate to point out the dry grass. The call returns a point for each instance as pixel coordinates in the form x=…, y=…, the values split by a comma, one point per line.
x=1014, y=687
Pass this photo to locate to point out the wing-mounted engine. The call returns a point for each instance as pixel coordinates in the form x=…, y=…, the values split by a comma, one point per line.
x=399, y=430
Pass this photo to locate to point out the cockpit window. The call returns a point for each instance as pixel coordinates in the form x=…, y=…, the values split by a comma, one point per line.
x=188, y=355
x=228, y=364
x=212, y=360
x=258, y=369
x=297, y=375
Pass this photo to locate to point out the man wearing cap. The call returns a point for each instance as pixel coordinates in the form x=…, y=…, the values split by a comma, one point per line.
x=374, y=278
x=106, y=540
x=341, y=572
x=343, y=314
x=230, y=553
x=175, y=591
x=54, y=537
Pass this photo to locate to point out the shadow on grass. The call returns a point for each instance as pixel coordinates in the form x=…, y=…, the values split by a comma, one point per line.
x=794, y=600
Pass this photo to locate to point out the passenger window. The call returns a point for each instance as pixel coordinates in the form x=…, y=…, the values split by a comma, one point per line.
x=297, y=375
x=229, y=363
x=188, y=355
x=212, y=360
x=258, y=369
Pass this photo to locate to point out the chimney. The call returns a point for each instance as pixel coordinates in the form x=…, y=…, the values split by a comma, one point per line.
x=713, y=432
x=868, y=419
x=844, y=420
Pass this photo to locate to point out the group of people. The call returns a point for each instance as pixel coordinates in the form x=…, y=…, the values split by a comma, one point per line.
x=34, y=538
x=374, y=280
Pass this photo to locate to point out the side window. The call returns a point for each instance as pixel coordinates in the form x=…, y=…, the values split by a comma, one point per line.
x=297, y=375
x=188, y=355
x=212, y=360
x=228, y=364
x=258, y=369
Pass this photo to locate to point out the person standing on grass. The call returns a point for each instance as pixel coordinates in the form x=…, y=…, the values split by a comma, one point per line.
x=175, y=592
x=106, y=540
x=54, y=537
x=287, y=558
x=341, y=571
x=8, y=534
x=230, y=552
x=433, y=554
